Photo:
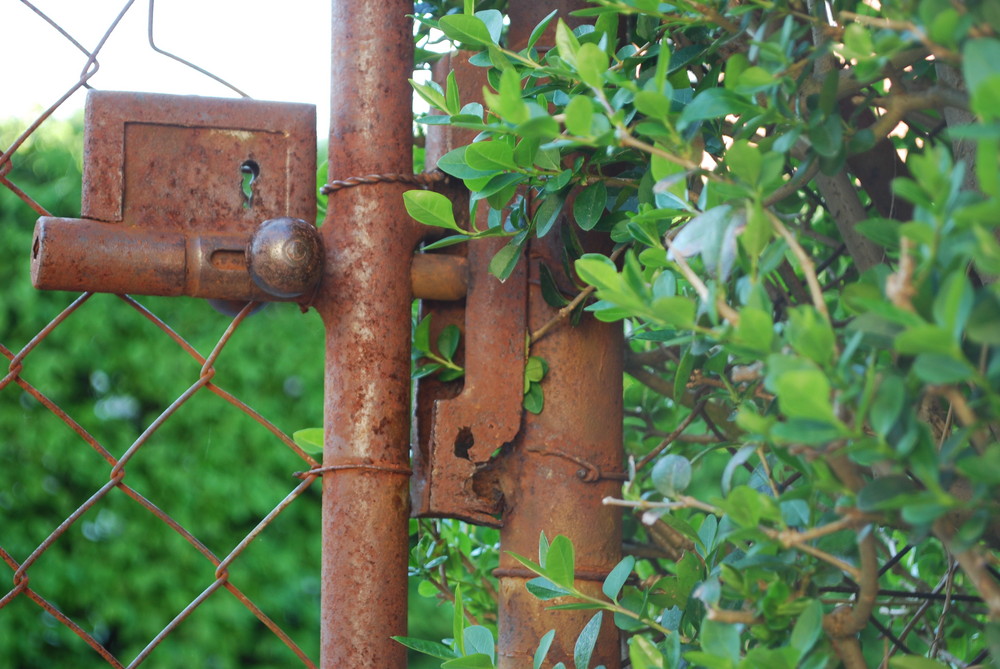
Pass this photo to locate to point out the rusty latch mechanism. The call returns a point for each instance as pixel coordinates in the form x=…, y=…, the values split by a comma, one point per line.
x=187, y=195
x=216, y=198
x=461, y=439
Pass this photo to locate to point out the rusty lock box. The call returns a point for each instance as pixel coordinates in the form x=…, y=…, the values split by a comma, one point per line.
x=176, y=190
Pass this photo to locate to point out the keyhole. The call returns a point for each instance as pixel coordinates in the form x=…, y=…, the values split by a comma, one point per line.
x=249, y=171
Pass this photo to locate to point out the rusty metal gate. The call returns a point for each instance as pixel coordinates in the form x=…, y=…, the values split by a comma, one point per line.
x=160, y=216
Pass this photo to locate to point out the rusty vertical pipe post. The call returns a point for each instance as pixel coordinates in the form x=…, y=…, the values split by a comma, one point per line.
x=558, y=473
x=562, y=466
x=365, y=304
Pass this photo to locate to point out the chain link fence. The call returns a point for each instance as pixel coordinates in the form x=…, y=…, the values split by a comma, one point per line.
x=152, y=504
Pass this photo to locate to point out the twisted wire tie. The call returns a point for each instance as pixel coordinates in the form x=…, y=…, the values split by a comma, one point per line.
x=424, y=180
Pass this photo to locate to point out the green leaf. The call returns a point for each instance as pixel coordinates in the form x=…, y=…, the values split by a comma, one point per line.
x=430, y=208
x=309, y=440
x=548, y=213
x=828, y=137
x=882, y=231
x=914, y=662
x=508, y=102
x=539, y=30
x=888, y=404
x=454, y=163
x=671, y=474
x=983, y=326
x=591, y=63
x=597, y=270
x=431, y=93
x=979, y=61
x=585, y=643
x=491, y=156
x=544, y=589
x=535, y=369
x=886, y=492
x=810, y=334
x=721, y=640
x=479, y=640
x=805, y=393
x=534, y=399
x=422, y=334
x=550, y=289
x=579, y=115
x=756, y=330
x=454, y=105
x=713, y=103
x=926, y=339
x=505, y=260
x=590, y=204
x=953, y=303
x=807, y=628
x=493, y=20
x=643, y=654
x=546, y=641
x=746, y=506
x=465, y=29
x=559, y=562
x=566, y=42
x=674, y=311
x=745, y=161
x=757, y=233
x=432, y=648
x=941, y=370
x=448, y=341
x=477, y=661
x=616, y=579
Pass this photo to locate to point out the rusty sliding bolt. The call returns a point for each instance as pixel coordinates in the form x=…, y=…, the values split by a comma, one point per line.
x=281, y=261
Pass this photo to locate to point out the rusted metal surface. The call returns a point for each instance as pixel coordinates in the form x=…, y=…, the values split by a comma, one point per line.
x=174, y=188
x=459, y=425
x=439, y=277
x=365, y=301
x=556, y=471
x=565, y=459
x=454, y=469
x=564, y=462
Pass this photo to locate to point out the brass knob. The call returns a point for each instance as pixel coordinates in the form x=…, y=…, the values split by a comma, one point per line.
x=285, y=257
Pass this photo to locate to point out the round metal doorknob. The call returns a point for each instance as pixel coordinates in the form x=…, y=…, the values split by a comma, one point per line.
x=285, y=257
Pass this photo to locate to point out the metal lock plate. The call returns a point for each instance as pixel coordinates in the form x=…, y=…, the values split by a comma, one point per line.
x=173, y=189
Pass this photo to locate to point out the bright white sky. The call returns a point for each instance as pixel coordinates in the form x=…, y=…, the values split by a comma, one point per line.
x=270, y=49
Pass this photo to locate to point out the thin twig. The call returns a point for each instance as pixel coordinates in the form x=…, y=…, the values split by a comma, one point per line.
x=806, y=263
x=673, y=435
x=563, y=313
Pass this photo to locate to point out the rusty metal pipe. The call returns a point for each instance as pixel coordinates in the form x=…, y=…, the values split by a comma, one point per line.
x=566, y=459
x=563, y=464
x=439, y=277
x=364, y=301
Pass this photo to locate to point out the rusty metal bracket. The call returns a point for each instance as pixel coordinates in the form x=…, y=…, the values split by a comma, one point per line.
x=451, y=471
x=175, y=192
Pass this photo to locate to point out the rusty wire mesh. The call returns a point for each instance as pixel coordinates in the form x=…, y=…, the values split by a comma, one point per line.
x=135, y=483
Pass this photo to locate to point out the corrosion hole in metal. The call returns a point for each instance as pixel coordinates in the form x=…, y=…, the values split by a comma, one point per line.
x=464, y=442
x=249, y=171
